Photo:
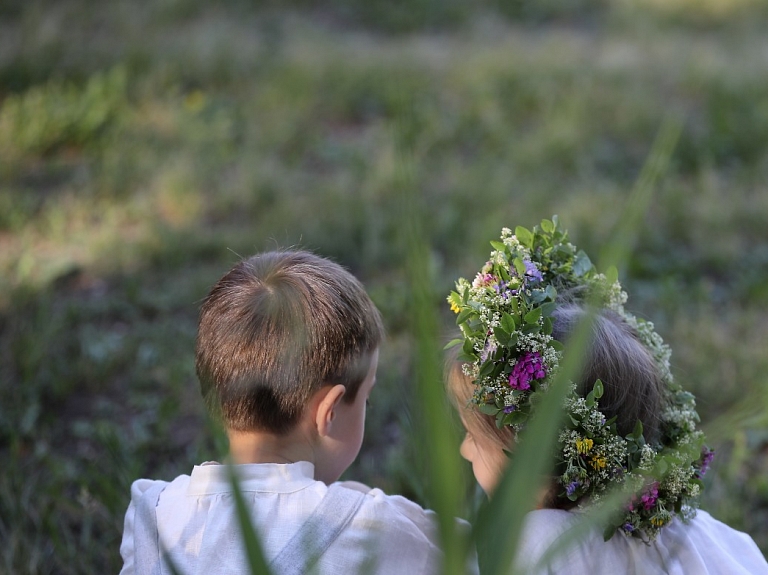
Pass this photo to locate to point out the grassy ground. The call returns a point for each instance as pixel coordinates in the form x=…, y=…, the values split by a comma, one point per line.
x=145, y=146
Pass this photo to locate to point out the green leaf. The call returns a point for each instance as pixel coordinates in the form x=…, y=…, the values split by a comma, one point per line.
x=519, y=266
x=487, y=409
x=547, y=226
x=581, y=264
x=516, y=417
x=598, y=389
x=498, y=246
x=485, y=369
x=524, y=236
x=637, y=432
x=508, y=322
x=548, y=308
x=465, y=313
x=454, y=343
x=551, y=292
x=538, y=296
x=533, y=316
x=612, y=274
x=501, y=336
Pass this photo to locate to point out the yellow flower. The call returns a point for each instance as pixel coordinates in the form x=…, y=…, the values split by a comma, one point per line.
x=455, y=308
x=598, y=462
x=658, y=521
x=584, y=445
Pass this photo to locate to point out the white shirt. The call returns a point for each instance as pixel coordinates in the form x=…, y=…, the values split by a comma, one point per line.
x=197, y=523
x=705, y=546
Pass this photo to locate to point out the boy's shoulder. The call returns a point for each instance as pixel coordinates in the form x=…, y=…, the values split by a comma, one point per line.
x=395, y=509
x=141, y=486
x=408, y=510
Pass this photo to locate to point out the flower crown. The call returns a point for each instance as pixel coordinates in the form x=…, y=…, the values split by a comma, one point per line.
x=505, y=317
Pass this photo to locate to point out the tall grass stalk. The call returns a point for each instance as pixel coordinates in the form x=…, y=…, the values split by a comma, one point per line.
x=445, y=488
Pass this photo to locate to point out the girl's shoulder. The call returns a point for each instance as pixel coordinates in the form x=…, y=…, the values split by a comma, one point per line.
x=702, y=546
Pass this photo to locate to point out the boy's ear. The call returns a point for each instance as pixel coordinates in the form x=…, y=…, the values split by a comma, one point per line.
x=326, y=409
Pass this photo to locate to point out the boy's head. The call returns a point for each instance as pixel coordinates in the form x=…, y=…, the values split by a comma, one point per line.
x=277, y=328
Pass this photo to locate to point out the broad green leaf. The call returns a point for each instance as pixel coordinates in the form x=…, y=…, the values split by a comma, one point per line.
x=488, y=409
x=508, y=322
x=548, y=308
x=519, y=266
x=533, y=316
x=581, y=263
x=637, y=432
x=501, y=336
x=524, y=236
x=465, y=313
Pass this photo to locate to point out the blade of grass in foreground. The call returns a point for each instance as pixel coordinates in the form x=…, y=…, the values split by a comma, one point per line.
x=499, y=524
x=445, y=488
x=616, y=251
x=257, y=563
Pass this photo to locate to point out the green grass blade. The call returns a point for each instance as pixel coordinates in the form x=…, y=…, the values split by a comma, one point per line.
x=617, y=250
x=499, y=524
x=436, y=434
x=257, y=563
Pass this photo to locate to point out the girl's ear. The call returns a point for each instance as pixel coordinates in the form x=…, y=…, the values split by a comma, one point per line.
x=326, y=409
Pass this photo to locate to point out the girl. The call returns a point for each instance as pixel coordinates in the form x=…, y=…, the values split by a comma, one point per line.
x=629, y=427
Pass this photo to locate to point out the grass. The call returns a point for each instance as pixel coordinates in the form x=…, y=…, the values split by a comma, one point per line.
x=136, y=165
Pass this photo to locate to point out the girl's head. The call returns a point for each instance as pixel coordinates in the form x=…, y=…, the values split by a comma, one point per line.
x=630, y=376
x=484, y=444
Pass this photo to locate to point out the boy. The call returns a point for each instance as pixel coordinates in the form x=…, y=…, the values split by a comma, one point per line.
x=286, y=355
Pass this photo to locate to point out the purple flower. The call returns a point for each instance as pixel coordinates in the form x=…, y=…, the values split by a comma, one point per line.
x=648, y=499
x=571, y=488
x=528, y=368
x=628, y=527
x=706, y=458
x=532, y=271
x=510, y=408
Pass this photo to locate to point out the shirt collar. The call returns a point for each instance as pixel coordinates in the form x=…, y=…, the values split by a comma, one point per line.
x=208, y=479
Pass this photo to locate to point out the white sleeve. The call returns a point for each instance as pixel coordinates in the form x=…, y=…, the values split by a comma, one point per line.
x=424, y=524
x=127, y=551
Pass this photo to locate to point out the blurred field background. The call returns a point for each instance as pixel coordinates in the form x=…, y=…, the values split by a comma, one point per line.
x=146, y=145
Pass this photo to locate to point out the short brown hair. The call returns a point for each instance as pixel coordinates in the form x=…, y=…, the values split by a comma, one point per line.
x=275, y=329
